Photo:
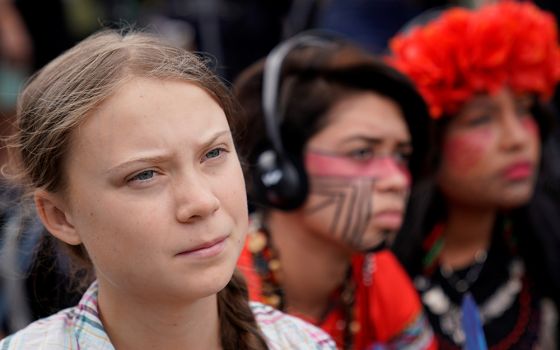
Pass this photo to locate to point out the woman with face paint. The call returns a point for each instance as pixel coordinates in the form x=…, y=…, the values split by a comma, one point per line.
x=351, y=124
x=127, y=144
x=481, y=237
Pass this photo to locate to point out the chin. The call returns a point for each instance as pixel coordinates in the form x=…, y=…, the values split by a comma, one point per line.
x=208, y=287
x=375, y=241
x=516, y=199
x=213, y=280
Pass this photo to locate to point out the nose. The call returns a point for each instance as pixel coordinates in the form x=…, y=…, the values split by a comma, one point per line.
x=194, y=199
x=514, y=132
x=394, y=176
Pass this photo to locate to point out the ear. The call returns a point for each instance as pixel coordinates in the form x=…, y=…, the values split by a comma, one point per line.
x=56, y=217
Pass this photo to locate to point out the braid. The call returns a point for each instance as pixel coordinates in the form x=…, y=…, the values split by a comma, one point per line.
x=238, y=327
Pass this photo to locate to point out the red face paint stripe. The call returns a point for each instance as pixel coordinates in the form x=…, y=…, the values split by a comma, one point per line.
x=339, y=166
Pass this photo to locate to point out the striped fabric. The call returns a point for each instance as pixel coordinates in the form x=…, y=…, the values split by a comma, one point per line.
x=80, y=328
x=286, y=332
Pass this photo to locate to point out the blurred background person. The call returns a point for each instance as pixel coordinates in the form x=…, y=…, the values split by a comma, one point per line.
x=31, y=34
x=370, y=23
x=332, y=139
x=472, y=231
x=15, y=42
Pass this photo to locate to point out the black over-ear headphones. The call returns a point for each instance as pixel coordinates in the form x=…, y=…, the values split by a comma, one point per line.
x=279, y=180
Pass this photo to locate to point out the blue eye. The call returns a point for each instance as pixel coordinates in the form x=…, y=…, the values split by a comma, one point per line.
x=216, y=152
x=144, y=175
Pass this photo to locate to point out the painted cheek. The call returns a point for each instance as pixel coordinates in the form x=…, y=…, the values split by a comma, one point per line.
x=325, y=165
x=343, y=205
x=462, y=152
x=406, y=173
x=388, y=167
x=531, y=126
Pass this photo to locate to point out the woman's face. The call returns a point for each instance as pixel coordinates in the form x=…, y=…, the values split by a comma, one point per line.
x=358, y=172
x=156, y=193
x=491, y=152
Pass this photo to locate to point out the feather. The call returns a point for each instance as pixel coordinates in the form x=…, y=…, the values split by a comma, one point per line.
x=472, y=326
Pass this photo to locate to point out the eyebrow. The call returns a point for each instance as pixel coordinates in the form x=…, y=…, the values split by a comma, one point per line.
x=163, y=158
x=482, y=103
x=216, y=136
x=374, y=141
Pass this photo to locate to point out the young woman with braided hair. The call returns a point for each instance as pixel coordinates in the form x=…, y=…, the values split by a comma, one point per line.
x=128, y=147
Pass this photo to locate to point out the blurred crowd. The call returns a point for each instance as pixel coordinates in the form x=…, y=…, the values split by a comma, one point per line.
x=234, y=33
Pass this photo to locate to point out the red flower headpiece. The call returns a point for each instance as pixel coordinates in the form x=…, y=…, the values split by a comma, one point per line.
x=465, y=52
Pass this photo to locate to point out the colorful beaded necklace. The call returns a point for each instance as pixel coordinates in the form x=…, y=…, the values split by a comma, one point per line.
x=268, y=267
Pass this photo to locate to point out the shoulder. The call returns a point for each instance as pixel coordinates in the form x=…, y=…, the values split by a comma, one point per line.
x=382, y=272
x=392, y=287
x=387, y=268
x=393, y=305
x=54, y=332
x=287, y=332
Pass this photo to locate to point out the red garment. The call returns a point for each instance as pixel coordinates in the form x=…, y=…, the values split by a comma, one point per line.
x=384, y=308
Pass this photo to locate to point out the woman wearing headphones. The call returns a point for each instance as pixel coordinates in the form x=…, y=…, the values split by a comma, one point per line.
x=330, y=155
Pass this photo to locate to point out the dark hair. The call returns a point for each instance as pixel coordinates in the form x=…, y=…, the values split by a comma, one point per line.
x=313, y=80
x=62, y=95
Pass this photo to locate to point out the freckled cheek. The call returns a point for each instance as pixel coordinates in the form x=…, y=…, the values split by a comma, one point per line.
x=465, y=151
x=232, y=195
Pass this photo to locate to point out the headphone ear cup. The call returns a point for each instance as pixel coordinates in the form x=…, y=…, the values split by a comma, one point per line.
x=278, y=182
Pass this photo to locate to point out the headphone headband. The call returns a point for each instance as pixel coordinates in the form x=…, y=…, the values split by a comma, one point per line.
x=279, y=179
x=272, y=78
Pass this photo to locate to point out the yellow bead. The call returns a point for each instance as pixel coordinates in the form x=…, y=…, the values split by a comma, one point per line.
x=355, y=327
x=257, y=242
x=272, y=300
x=274, y=265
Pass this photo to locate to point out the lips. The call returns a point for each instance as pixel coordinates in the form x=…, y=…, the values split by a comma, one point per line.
x=206, y=249
x=519, y=171
x=388, y=219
